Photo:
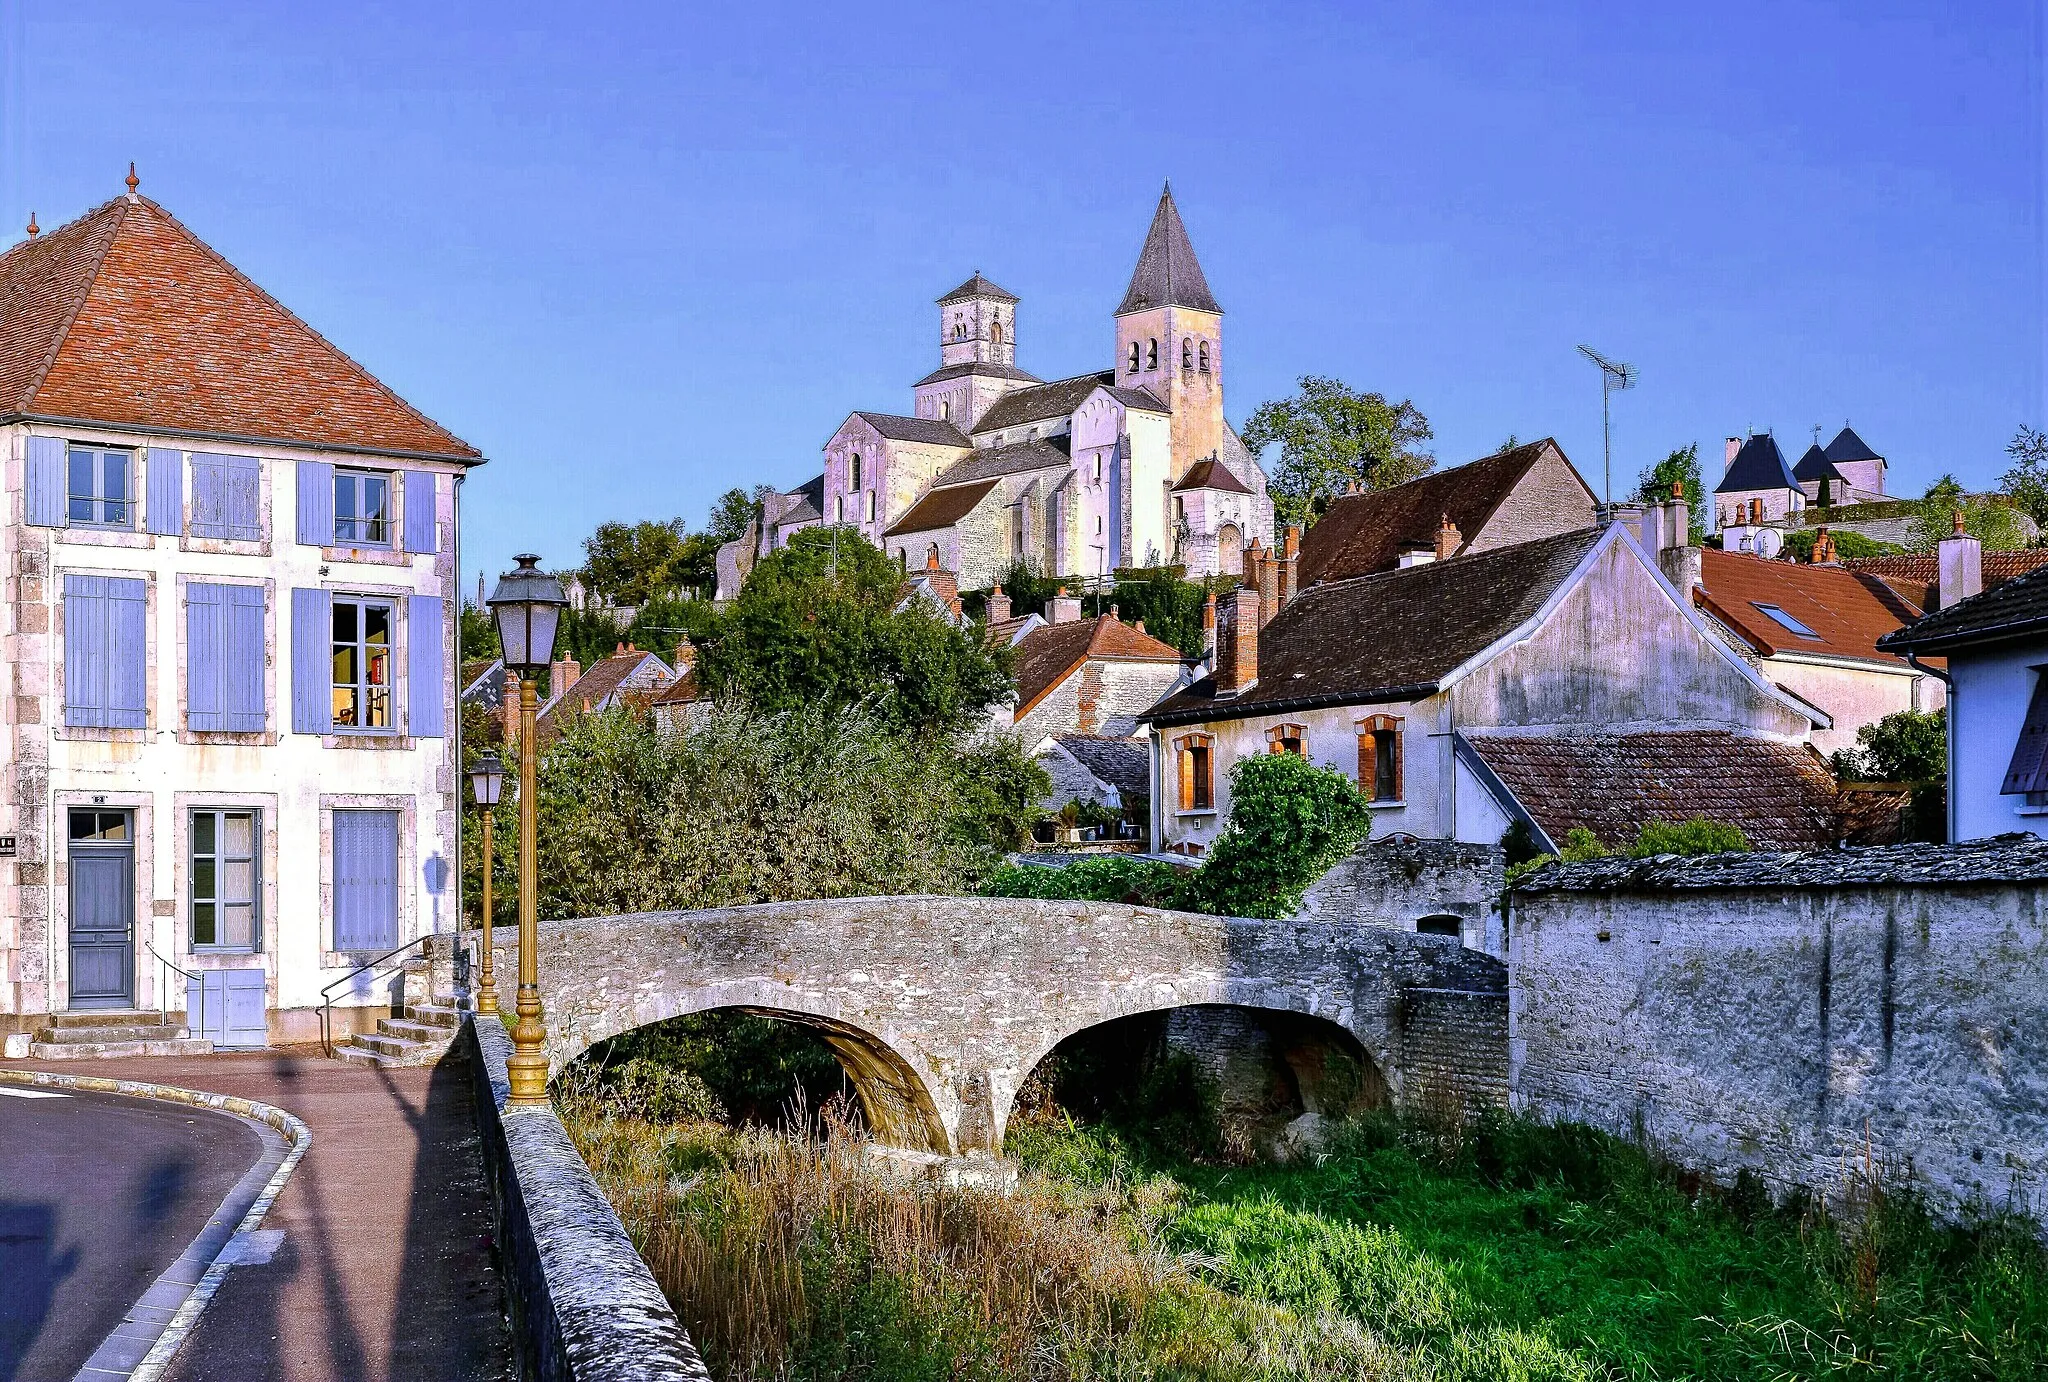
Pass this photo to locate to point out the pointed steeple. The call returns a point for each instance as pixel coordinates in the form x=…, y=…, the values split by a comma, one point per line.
x=1168, y=274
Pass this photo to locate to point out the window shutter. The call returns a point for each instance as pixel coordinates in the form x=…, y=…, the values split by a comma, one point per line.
x=242, y=699
x=2030, y=755
x=85, y=651
x=420, y=528
x=316, y=504
x=1187, y=779
x=127, y=652
x=245, y=498
x=46, y=506
x=166, y=492
x=209, y=495
x=204, y=655
x=1368, y=760
x=426, y=670
x=312, y=667
x=365, y=880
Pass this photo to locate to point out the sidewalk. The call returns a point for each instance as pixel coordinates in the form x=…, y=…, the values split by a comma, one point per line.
x=385, y=1273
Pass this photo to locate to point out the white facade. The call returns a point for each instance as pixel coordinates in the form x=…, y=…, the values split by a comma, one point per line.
x=1987, y=706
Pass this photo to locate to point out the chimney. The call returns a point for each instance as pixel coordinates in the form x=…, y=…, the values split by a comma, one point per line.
x=1448, y=539
x=998, y=606
x=1677, y=518
x=1824, y=547
x=1269, y=585
x=1209, y=628
x=1237, y=642
x=1139, y=626
x=1734, y=445
x=686, y=655
x=1676, y=557
x=508, y=709
x=564, y=673
x=1063, y=608
x=1290, y=559
x=1254, y=558
x=1961, y=566
x=1650, y=530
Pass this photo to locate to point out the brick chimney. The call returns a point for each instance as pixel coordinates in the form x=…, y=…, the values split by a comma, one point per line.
x=1290, y=559
x=1237, y=641
x=1269, y=585
x=1254, y=558
x=1448, y=539
x=564, y=673
x=1734, y=445
x=508, y=709
x=1960, y=566
x=998, y=606
x=686, y=655
x=1063, y=608
x=1209, y=627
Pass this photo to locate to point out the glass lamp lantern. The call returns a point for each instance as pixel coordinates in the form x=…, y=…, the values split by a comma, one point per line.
x=527, y=606
x=487, y=779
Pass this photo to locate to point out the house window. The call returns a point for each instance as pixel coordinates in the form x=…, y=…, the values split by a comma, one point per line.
x=1187, y=353
x=365, y=880
x=1196, y=753
x=1786, y=621
x=1134, y=357
x=224, y=878
x=1379, y=757
x=1204, y=348
x=100, y=488
x=362, y=665
x=362, y=508
x=853, y=470
x=1288, y=739
x=106, y=651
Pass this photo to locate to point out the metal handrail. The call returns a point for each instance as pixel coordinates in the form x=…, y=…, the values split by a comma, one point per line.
x=327, y=993
x=163, y=1010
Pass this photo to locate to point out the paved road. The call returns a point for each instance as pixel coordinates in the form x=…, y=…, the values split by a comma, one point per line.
x=98, y=1194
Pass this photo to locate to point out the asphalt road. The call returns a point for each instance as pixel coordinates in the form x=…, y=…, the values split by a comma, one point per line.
x=98, y=1194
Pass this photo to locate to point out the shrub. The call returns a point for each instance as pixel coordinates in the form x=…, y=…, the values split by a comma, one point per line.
x=1696, y=836
x=1290, y=822
x=1145, y=882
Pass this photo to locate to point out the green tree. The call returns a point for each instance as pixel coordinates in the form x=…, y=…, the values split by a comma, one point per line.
x=817, y=625
x=1290, y=822
x=731, y=512
x=1331, y=436
x=476, y=634
x=1991, y=520
x=1904, y=746
x=2026, y=483
x=631, y=563
x=1653, y=486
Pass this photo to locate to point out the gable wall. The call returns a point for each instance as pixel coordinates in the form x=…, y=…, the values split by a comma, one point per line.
x=1103, y=697
x=1547, y=501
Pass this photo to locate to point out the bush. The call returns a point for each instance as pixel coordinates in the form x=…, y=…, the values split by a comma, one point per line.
x=1696, y=836
x=1145, y=882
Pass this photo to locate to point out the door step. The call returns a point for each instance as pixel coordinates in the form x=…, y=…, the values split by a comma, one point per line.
x=107, y=1050
x=421, y=1037
x=111, y=1032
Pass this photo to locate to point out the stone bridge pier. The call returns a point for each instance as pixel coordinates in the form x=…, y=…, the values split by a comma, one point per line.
x=940, y=1007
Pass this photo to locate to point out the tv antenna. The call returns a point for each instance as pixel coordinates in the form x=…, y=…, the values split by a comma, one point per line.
x=1614, y=377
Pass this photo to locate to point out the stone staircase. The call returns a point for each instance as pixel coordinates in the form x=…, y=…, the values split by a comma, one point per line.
x=417, y=1033
x=112, y=1032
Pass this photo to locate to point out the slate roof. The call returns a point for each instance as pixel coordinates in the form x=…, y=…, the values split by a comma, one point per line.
x=596, y=689
x=1388, y=637
x=2015, y=858
x=1057, y=399
x=989, y=462
x=809, y=506
x=977, y=287
x=984, y=367
x=1121, y=763
x=483, y=682
x=1141, y=400
x=1363, y=533
x=2012, y=610
x=1815, y=465
x=1916, y=577
x=1847, y=446
x=896, y=427
x=1168, y=274
x=1780, y=795
x=1211, y=474
x=1048, y=656
x=1847, y=610
x=1758, y=465
x=125, y=317
x=941, y=508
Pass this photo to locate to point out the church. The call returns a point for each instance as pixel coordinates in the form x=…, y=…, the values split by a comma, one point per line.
x=1129, y=466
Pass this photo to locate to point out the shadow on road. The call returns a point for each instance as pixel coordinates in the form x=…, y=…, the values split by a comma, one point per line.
x=30, y=1270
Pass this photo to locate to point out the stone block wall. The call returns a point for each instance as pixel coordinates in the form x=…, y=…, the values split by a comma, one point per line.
x=1450, y=1040
x=1397, y=883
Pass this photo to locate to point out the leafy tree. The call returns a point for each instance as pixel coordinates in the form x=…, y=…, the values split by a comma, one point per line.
x=1696, y=836
x=1904, y=746
x=816, y=625
x=1682, y=466
x=2026, y=483
x=631, y=563
x=476, y=633
x=1170, y=608
x=1332, y=436
x=1991, y=521
x=1848, y=545
x=731, y=512
x=1030, y=589
x=1290, y=822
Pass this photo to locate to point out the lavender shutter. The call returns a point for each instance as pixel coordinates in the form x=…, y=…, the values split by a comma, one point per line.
x=312, y=662
x=127, y=653
x=46, y=493
x=365, y=880
x=209, y=495
x=316, y=504
x=85, y=651
x=419, y=511
x=166, y=492
x=426, y=669
x=205, y=654
x=245, y=498
x=241, y=680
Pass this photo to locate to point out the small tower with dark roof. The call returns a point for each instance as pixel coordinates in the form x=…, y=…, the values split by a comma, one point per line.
x=1856, y=463
x=978, y=325
x=1169, y=337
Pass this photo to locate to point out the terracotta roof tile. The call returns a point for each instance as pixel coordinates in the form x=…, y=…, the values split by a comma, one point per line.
x=1846, y=610
x=1780, y=795
x=1047, y=656
x=2018, y=607
x=1211, y=474
x=1916, y=577
x=595, y=689
x=125, y=317
x=941, y=508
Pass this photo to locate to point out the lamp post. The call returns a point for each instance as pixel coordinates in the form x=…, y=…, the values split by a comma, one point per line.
x=527, y=606
x=486, y=780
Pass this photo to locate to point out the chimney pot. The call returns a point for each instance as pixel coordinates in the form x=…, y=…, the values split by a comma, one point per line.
x=1448, y=538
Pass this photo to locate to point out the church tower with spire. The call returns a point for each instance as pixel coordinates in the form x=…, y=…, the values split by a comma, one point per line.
x=1169, y=337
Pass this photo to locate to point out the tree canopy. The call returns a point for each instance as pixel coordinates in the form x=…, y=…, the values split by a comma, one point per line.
x=633, y=563
x=2026, y=483
x=1331, y=436
x=1990, y=520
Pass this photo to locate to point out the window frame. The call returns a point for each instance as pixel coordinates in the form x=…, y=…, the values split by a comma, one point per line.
x=1202, y=346
x=359, y=478
x=96, y=500
x=1279, y=736
x=1195, y=760
x=1790, y=623
x=220, y=857
x=1371, y=761
x=337, y=601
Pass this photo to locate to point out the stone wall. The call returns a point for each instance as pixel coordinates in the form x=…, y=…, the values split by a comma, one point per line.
x=1398, y=883
x=1771, y=1011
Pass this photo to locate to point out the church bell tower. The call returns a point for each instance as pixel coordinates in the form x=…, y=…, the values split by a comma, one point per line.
x=978, y=325
x=1169, y=337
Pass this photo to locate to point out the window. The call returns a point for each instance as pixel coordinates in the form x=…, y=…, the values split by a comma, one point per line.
x=362, y=665
x=99, y=490
x=931, y=557
x=1017, y=530
x=1098, y=469
x=853, y=471
x=945, y=408
x=838, y=508
x=1204, y=347
x=1439, y=926
x=1287, y=739
x=1134, y=357
x=362, y=508
x=871, y=506
x=223, y=888
x=1187, y=353
x=1152, y=353
x=1098, y=525
x=224, y=654
x=1379, y=757
x=227, y=497
x=1786, y=620
x=995, y=331
x=2027, y=774
x=1197, y=772
x=365, y=880
x=106, y=651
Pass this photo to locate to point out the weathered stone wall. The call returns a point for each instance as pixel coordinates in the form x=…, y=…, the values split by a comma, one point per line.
x=1103, y=697
x=1770, y=1011
x=1397, y=883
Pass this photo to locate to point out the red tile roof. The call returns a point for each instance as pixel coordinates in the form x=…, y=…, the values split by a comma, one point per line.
x=1048, y=656
x=1780, y=795
x=124, y=317
x=596, y=689
x=1848, y=611
x=1915, y=577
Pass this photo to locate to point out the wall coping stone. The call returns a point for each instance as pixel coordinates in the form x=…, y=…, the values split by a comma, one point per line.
x=2008, y=859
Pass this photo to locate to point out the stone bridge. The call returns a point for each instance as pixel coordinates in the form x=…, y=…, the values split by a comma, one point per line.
x=940, y=1007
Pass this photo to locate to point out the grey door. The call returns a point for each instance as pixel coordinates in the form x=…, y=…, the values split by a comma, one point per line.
x=102, y=910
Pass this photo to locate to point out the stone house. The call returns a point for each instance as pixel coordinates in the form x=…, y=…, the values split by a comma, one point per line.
x=229, y=611
x=1133, y=465
x=1561, y=682
x=1849, y=470
x=1757, y=490
x=628, y=674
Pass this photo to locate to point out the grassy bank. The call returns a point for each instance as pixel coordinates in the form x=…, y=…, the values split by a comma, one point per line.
x=1497, y=1251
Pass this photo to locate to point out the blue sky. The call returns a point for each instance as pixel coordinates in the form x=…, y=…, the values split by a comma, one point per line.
x=641, y=253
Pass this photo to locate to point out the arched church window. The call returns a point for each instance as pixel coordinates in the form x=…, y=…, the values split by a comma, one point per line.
x=995, y=331
x=1152, y=354
x=945, y=409
x=931, y=557
x=853, y=471
x=1187, y=353
x=1134, y=357
x=1205, y=357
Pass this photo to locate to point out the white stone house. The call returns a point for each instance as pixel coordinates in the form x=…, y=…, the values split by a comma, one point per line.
x=1561, y=682
x=229, y=616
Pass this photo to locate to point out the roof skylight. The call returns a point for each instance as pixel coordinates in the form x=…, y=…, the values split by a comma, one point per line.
x=1787, y=620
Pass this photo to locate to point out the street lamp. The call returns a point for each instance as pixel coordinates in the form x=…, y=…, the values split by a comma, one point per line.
x=486, y=780
x=527, y=606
